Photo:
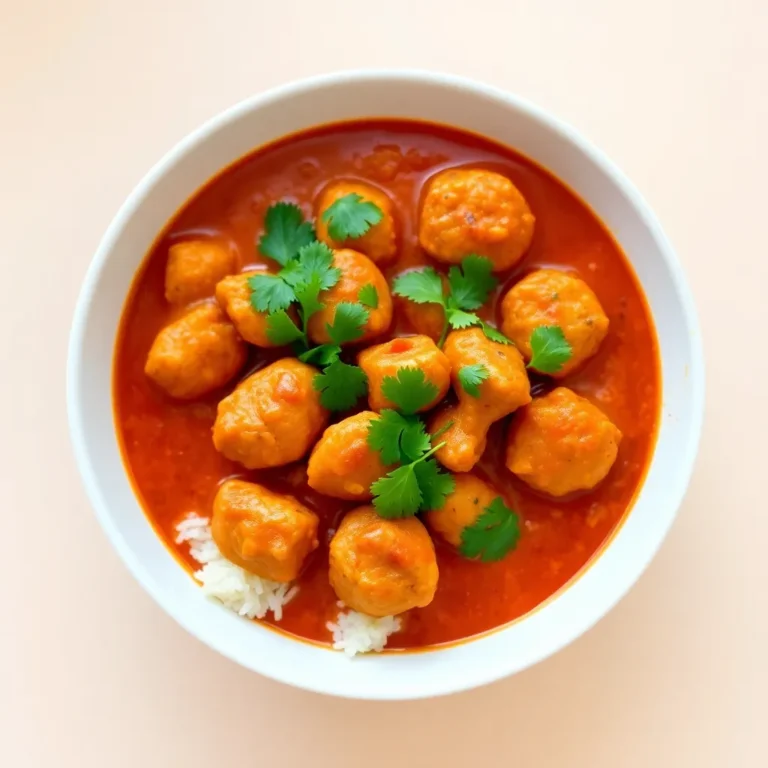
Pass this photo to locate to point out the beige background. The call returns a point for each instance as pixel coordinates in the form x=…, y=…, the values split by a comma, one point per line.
x=92, y=92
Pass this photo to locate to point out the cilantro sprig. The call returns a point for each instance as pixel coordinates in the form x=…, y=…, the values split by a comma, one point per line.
x=351, y=217
x=340, y=385
x=306, y=271
x=410, y=390
x=471, y=377
x=286, y=232
x=495, y=533
x=469, y=286
x=550, y=350
x=400, y=436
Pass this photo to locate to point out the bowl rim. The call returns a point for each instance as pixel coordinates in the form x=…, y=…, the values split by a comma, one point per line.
x=77, y=419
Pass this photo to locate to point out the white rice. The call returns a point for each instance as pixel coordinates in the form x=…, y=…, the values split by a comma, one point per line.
x=355, y=632
x=253, y=597
x=240, y=591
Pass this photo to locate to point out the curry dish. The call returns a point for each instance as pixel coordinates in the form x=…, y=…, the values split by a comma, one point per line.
x=389, y=373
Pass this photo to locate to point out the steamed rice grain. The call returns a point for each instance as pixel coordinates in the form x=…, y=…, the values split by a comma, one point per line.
x=253, y=597
x=240, y=591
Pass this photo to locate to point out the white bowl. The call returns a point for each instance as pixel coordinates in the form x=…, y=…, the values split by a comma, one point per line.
x=441, y=99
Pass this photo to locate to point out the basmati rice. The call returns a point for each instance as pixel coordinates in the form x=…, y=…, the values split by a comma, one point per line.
x=253, y=597
x=240, y=591
x=355, y=632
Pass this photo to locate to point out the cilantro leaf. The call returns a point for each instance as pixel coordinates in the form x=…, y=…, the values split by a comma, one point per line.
x=434, y=484
x=308, y=295
x=409, y=390
x=398, y=438
x=494, y=335
x=414, y=440
x=495, y=533
x=384, y=435
x=321, y=356
x=549, y=349
x=471, y=282
x=281, y=329
x=397, y=494
x=351, y=217
x=340, y=385
x=471, y=376
x=270, y=293
x=348, y=322
x=316, y=261
x=368, y=296
x=285, y=232
x=459, y=319
x=421, y=286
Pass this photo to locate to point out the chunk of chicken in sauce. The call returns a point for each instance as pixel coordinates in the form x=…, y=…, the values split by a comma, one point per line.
x=379, y=243
x=357, y=271
x=234, y=296
x=549, y=297
x=503, y=391
x=462, y=507
x=382, y=567
x=196, y=354
x=475, y=211
x=562, y=443
x=342, y=464
x=268, y=534
x=193, y=269
x=272, y=418
x=417, y=352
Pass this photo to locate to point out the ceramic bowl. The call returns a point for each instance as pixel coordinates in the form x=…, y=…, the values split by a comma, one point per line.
x=442, y=99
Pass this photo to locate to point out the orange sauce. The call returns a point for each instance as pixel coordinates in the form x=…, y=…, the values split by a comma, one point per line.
x=167, y=445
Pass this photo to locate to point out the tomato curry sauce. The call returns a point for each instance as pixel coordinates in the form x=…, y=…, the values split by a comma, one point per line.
x=167, y=444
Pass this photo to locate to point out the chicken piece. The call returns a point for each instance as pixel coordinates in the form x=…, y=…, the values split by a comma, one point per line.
x=196, y=354
x=462, y=507
x=562, y=443
x=385, y=360
x=342, y=464
x=382, y=567
x=234, y=295
x=379, y=243
x=549, y=297
x=269, y=534
x=503, y=391
x=475, y=211
x=356, y=271
x=272, y=418
x=193, y=269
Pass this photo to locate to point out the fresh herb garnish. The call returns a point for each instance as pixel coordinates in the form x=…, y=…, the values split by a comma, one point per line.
x=351, y=217
x=398, y=438
x=349, y=322
x=409, y=390
x=495, y=533
x=401, y=436
x=340, y=385
x=307, y=271
x=469, y=286
x=285, y=232
x=471, y=377
x=321, y=356
x=418, y=486
x=369, y=296
x=472, y=282
x=550, y=350
x=281, y=329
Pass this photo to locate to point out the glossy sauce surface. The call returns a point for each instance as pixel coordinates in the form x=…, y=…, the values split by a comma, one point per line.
x=167, y=445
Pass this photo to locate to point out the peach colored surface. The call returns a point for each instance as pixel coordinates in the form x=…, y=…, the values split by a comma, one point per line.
x=92, y=673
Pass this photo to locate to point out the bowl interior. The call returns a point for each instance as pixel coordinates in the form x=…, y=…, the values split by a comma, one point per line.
x=439, y=99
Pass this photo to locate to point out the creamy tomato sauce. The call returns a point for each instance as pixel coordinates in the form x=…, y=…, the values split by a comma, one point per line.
x=167, y=445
